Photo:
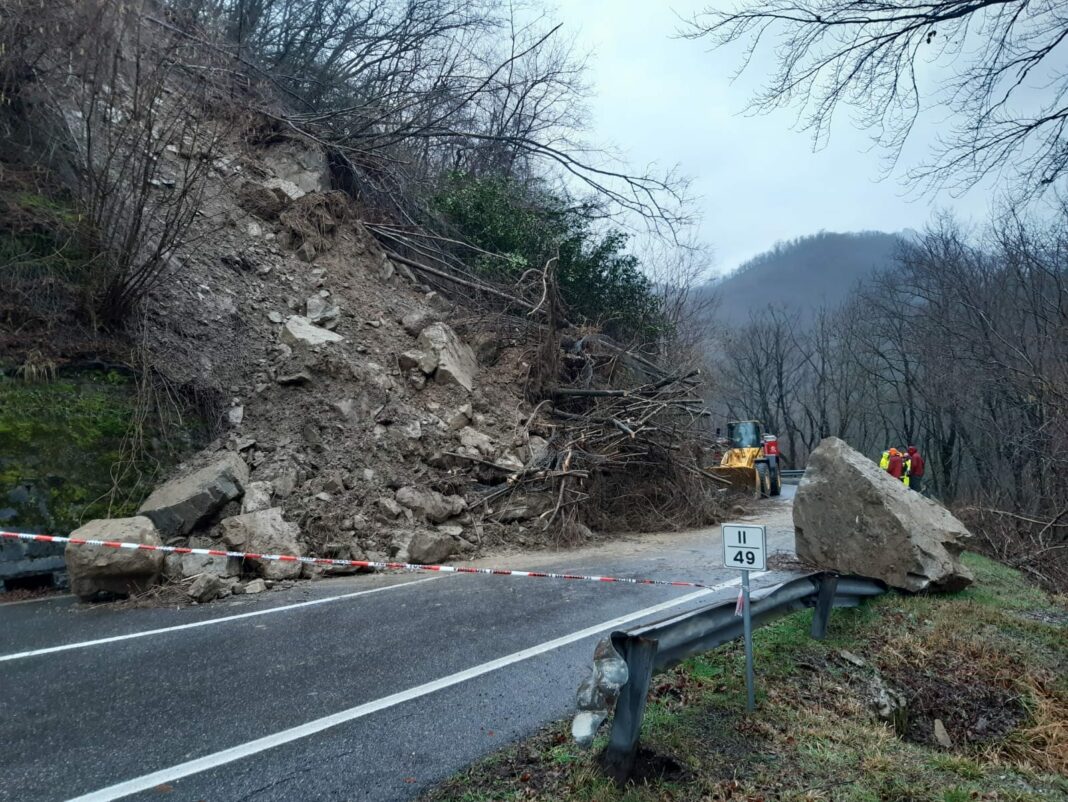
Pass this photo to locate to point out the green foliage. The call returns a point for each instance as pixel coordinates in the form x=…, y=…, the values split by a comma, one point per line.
x=61, y=444
x=524, y=227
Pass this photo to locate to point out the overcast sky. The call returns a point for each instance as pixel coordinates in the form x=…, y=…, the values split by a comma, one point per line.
x=665, y=100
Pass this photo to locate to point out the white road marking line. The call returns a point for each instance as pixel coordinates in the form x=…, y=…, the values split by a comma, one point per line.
x=212, y=761
x=207, y=623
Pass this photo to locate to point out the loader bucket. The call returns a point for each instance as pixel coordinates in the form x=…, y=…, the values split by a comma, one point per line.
x=742, y=479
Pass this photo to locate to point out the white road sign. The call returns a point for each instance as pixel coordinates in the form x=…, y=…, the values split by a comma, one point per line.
x=745, y=547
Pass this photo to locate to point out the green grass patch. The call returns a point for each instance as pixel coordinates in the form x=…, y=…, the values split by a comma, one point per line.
x=990, y=662
x=65, y=453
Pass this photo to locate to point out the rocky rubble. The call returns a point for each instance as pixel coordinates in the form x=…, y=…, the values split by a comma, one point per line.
x=355, y=419
x=854, y=518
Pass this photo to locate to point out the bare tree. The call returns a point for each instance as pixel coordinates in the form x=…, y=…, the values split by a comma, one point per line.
x=1007, y=87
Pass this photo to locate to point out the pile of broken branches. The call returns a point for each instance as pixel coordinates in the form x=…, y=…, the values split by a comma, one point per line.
x=625, y=447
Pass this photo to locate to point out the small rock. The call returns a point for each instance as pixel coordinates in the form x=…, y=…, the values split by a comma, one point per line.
x=416, y=378
x=257, y=497
x=301, y=331
x=461, y=418
x=306, y=252
x=302, y=376
x=386, y=269
x=235, y=415
x=285, y=483
x=334, y=483
x=941, y=736
x=348, y=410
x=509, y=462
x=537, y=450
x=206, y=588
x=437, y=302
x=368, y=475
x=275, y=317
x=849, y=657
x=255, y=586
x=390, y=507
x=318, y=310
x=414, y=322
x=472, y=438
x=426, y=361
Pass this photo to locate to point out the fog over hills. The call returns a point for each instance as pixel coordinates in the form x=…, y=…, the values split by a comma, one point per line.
x=805, y=273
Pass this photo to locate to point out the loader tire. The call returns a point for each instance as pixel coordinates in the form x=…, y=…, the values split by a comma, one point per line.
x=763, y=480
x=776, y=482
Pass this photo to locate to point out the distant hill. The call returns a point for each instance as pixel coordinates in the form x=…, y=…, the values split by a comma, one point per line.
x=805, y=273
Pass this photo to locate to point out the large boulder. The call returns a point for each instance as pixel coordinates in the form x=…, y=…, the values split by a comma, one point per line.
x=99, y=569
x=180, y=505
x=430, y=548
x=431, y=504
x=265, y=532
x=854, y=518
x=456, y=363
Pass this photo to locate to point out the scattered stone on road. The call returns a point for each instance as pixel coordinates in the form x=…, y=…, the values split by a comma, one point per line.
x=852, y=517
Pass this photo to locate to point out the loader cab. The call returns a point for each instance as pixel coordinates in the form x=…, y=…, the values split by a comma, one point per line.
x=745, y=434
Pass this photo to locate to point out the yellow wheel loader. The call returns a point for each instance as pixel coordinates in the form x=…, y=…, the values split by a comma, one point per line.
x=751, y=460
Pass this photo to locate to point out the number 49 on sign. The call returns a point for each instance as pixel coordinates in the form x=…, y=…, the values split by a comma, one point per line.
x=745, y=547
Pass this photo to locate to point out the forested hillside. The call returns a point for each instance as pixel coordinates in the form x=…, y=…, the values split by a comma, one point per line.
x=959, y=349
x=803, y=274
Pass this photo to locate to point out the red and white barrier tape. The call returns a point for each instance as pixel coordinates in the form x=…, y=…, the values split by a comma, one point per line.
x=378, y=566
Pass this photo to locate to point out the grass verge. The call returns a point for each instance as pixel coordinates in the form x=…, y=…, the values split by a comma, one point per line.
x=990, y=664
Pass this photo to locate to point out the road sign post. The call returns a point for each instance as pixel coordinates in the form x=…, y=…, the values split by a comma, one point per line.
x=745, y=547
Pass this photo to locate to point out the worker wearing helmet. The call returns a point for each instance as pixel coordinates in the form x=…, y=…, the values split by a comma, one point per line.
x=895, y=465
x=884, y=460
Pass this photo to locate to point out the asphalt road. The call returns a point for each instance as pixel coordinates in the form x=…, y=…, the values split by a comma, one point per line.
x=367, y=688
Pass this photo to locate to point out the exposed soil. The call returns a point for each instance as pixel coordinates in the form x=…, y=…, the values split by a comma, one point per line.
x=972, y=710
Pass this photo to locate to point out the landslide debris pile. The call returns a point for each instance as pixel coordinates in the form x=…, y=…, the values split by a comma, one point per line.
x=369, y=415
x=371, y=399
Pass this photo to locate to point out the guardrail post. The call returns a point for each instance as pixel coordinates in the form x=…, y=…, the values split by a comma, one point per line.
x=824, y=603
x=618, y=757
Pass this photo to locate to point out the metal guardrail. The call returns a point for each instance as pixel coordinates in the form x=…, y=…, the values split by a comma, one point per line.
x=31, y=564
x=624, y=662
x=791, y=475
